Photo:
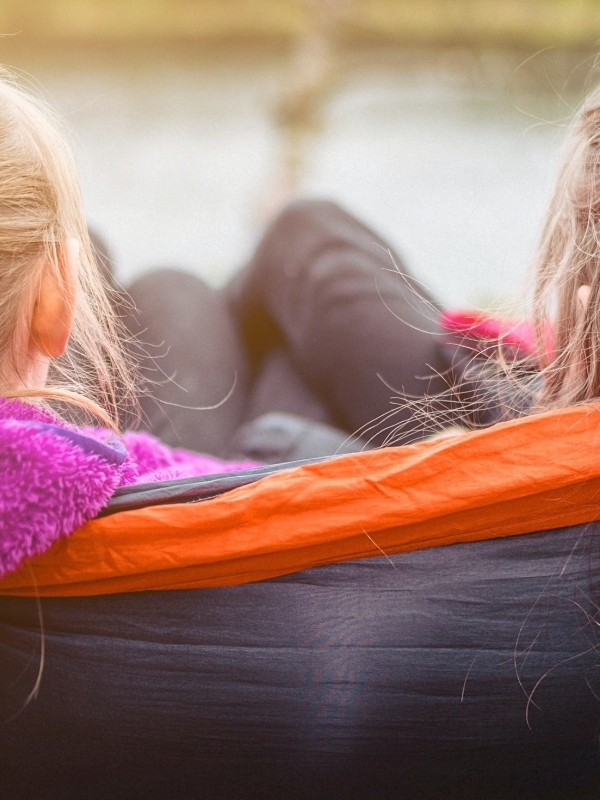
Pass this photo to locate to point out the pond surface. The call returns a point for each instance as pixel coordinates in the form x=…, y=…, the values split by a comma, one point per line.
x=179, y=157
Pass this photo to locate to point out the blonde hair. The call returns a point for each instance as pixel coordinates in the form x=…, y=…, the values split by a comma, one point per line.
x=568, y=258
x=40, y=208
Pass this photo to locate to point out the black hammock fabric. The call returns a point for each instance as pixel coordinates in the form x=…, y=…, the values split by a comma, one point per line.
x=463, y=672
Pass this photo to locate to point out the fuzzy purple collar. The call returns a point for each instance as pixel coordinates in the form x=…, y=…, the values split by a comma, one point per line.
x=53, y=478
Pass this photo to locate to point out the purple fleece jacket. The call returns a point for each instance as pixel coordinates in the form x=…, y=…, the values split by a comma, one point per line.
x=54, y=476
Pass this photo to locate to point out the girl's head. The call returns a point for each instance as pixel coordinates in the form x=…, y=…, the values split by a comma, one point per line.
x=567, y=279
x=58, y=335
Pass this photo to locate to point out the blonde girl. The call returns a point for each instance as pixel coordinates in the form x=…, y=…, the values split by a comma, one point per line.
x=59, y=338
x=567, y=271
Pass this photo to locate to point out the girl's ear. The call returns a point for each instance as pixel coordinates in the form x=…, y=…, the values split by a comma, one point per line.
x=583, y=295
x=54, y=310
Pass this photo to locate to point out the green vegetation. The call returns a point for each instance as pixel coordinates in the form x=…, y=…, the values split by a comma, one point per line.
x=565, y=23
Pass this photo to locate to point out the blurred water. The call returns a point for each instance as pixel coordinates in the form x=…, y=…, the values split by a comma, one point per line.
x=178, y=159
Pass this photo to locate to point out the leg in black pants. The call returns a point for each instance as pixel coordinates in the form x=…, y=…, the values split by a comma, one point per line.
x=191, y=358
x=353, y=325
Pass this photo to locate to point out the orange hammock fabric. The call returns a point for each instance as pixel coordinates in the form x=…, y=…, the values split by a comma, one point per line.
x=518, y=477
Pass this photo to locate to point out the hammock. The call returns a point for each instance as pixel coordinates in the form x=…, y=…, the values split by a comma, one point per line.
x=374, y=662
x=517, y=477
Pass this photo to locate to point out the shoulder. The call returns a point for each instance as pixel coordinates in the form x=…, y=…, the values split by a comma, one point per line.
x=52, y=480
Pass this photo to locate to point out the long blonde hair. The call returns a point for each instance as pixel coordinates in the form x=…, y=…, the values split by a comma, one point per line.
x=568, y=258
x=40, y=208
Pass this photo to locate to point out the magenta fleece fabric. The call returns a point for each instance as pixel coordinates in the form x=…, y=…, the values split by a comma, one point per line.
x=54, y=476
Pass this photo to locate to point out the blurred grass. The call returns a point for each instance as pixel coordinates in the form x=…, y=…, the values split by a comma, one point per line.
x=538, y=23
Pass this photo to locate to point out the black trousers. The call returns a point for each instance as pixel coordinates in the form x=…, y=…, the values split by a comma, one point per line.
x=324, y=322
